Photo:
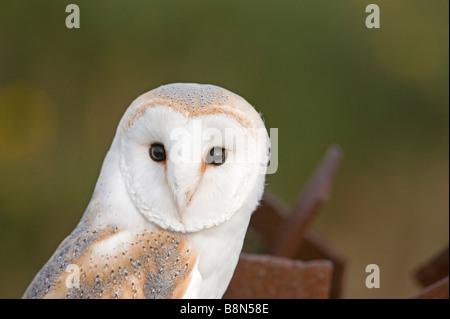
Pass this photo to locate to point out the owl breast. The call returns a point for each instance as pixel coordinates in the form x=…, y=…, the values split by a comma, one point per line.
x=114, y=263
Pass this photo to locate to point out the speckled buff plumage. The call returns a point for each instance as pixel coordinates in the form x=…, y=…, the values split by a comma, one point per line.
x=160, y=224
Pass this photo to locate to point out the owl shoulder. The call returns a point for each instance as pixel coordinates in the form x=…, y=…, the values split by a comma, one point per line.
x=107, y=262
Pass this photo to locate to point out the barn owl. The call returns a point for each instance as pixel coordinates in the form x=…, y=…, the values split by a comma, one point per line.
x=172, y=204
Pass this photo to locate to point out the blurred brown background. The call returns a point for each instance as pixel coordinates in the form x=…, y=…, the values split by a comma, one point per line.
x=311, y=67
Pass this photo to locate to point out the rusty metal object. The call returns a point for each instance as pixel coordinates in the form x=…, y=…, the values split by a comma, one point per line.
x=434, y=270
x=267, y=220
x=316, y=193
x=438, y=290
x=263, y=276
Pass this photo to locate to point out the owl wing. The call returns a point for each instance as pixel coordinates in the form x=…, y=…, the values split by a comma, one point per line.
x=106, y=262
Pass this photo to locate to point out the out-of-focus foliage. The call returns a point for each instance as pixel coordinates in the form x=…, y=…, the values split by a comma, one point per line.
x=311, y=67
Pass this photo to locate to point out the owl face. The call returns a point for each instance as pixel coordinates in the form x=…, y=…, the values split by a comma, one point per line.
x=192, y=156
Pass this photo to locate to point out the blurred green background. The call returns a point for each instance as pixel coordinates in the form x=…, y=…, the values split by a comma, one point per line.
x=311, y=67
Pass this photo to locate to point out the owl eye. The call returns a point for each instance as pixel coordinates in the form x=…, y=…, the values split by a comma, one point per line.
x=216, y=156
x=157, y=152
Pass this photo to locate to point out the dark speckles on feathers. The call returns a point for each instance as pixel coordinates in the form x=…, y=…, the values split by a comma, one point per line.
x=71, y=248
x=191, y=100
x=193, y=95
x=158, y=271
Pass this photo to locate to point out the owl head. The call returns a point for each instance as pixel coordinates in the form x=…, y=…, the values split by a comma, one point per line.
x=191, y=156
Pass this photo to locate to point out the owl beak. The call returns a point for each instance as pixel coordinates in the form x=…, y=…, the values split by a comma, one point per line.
x=182, y=194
